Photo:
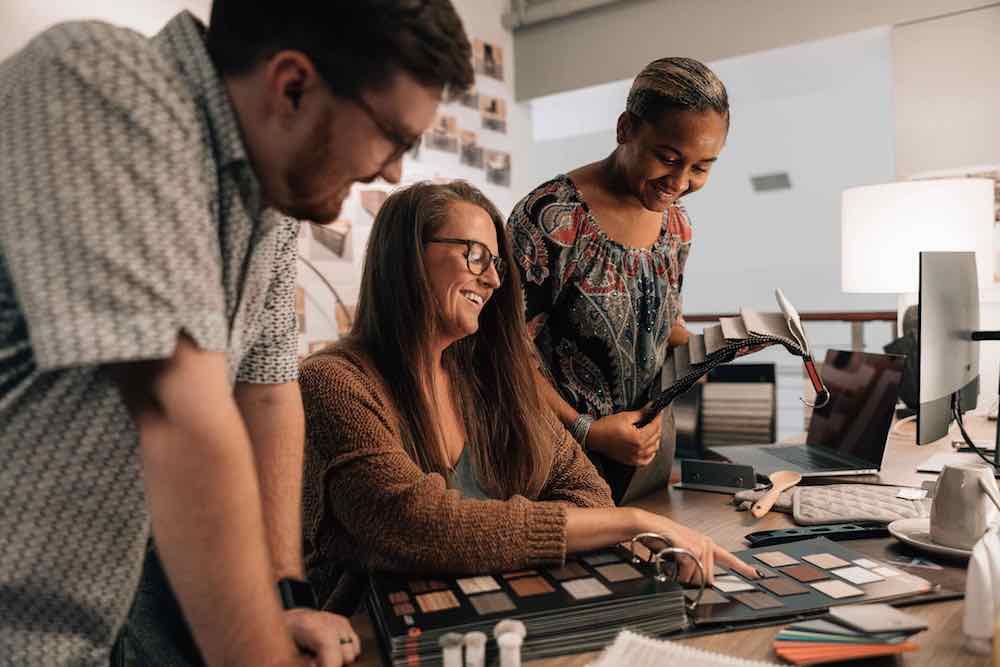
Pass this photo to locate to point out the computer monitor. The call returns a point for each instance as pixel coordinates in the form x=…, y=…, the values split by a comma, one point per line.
x=949, y=357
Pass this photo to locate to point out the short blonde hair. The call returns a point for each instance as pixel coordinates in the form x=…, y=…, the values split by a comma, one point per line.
x=676, y=84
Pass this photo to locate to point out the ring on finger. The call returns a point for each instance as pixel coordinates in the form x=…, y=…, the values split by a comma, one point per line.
x=346, y=640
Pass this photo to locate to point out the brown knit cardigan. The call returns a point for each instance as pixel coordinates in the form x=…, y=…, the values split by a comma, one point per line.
x=368, y=506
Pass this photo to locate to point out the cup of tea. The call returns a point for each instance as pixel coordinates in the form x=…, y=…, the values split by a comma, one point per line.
x=966, y=503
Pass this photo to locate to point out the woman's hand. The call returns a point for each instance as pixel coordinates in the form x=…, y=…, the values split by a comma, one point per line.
x=701, y=545
x=617, y=437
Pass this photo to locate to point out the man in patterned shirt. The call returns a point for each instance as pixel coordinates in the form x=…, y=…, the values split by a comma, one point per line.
x=147, y=330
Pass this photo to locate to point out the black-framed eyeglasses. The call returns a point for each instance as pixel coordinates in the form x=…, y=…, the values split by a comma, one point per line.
x=402, y=143
x=477, y=256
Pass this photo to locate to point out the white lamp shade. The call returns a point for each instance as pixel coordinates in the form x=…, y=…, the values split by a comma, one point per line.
x=884, y=228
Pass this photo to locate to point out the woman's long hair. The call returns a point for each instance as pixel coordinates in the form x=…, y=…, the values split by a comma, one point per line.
x=508, y=427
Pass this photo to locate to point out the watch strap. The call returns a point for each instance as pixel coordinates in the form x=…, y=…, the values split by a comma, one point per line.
x=296, y=593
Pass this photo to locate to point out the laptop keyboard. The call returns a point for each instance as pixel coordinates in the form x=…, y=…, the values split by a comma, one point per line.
x=807, y=458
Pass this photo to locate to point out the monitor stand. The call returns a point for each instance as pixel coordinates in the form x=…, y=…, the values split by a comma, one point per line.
x=936, y=463
x=991, y=335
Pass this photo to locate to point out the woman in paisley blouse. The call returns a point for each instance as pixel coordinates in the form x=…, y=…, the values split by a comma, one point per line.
x=602, y=250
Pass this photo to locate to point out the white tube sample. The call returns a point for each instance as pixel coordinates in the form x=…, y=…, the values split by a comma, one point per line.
x=475, y=649
x=451, y=649
x=510, y=649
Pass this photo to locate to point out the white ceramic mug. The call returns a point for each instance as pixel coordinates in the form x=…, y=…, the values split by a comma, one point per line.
x=966, y=503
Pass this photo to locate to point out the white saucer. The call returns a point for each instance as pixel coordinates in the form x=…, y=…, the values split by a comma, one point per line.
x=917, y=533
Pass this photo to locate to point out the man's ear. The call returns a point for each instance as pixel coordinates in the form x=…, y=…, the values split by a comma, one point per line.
x=289, y=77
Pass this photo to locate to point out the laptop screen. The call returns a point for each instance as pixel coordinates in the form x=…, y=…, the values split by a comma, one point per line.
x=863, y=392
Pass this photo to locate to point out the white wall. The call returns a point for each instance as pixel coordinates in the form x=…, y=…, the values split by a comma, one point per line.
x=947, y=91
x=23, y=20
x=823, y=113
x=613, y=42
x=947, y=100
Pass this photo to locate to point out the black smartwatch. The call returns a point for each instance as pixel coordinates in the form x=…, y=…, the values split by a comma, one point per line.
x=295, y=593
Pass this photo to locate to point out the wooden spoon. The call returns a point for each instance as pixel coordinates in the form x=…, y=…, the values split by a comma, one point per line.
x=782, y=480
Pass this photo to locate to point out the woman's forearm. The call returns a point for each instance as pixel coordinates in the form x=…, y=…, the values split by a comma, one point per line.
x=595, y=527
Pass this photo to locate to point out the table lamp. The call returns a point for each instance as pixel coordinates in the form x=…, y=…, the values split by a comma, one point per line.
x=884, y=228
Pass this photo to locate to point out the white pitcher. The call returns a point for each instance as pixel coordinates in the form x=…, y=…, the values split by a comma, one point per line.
x=966, y=503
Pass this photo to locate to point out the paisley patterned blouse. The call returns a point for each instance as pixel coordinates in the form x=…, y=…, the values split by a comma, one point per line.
x=600, y=312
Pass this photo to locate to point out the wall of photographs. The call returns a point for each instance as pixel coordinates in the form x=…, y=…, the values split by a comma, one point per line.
x=472, y=138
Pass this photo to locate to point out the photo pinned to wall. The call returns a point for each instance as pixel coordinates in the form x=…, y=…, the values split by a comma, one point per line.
x=300, y=309
x=494, y=113
x=983, y=171
x=498, y=167
x=470, y=98
x=471, y=153
x=332, y=243
x=487, y=59
x=443, y=134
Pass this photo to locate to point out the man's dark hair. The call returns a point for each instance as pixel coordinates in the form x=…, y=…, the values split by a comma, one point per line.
x=354, y=44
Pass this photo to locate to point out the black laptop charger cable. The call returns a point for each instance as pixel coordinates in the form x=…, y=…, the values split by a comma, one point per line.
x=957, y=410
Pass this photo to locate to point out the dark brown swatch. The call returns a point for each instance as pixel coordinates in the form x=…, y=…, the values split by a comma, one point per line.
x=417, y=587
x=528, y=586
x=491, y=603
x=601, y=558
x=758, y=600
x=618, y=572
x=711, y=596
x=804, y=572
x=784, y=587
x=765, y=573
x=571, y=570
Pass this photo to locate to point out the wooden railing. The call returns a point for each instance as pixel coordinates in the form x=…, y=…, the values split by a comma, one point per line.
x=857, y=319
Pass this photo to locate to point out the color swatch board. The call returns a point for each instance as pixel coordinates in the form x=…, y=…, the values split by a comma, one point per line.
x=575, y=608
x=802, y=577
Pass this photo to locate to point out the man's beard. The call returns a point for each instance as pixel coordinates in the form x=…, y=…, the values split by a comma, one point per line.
x=310, y=172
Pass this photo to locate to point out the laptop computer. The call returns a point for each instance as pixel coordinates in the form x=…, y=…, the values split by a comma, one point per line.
x=847, y=436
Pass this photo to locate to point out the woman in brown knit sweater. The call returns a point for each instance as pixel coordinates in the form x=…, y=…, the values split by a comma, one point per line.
x=430, y=448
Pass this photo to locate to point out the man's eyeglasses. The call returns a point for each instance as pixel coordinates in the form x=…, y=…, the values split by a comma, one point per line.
x=477, y=256
x=403, y=144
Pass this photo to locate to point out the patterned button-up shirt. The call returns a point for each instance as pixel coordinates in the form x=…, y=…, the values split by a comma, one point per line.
x=129, y=214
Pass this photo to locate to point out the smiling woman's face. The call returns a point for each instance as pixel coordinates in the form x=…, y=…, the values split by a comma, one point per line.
x=460, y=295
x=667, y=160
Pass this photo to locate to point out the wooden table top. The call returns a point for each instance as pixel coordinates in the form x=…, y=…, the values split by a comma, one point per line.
x=714, y=514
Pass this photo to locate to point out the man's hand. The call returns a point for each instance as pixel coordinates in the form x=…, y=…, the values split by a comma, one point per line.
x=329, y=637
x=617, y=437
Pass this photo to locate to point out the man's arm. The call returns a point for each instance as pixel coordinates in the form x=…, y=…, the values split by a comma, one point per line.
x=204, y=499
x=276, y=424
x=275, y=419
